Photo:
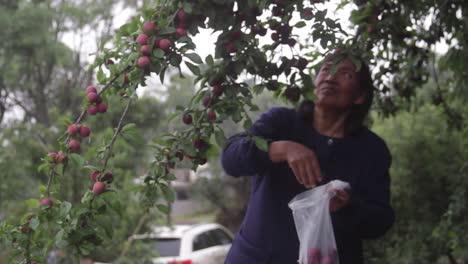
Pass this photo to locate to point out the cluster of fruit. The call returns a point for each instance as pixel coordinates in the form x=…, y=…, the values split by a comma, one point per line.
x=150, y=35
x=315, y=256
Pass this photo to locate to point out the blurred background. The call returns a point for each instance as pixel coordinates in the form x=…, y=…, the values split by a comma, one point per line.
x=45, y=50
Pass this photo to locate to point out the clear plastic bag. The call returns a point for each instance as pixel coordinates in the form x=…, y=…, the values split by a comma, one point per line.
x=313, y=224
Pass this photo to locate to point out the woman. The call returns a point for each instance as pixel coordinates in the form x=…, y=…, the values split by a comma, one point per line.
x=312, y=145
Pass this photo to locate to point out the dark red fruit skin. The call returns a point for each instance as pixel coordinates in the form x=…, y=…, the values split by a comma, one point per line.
x=211, y=115
x=199, y=143
x=187, y=119
x=179, y=155
x=99, y=187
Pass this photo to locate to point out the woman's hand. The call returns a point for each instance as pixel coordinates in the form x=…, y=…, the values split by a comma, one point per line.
x=340, y=200
x=301, y=160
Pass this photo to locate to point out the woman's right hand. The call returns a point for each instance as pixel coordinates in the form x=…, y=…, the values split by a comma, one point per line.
x=302, y=161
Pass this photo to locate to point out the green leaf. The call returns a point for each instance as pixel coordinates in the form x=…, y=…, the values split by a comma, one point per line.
x=168, y=193
x=247, y=124
x=129, y=126
x=194, y=69
x=65, y=208
x=323, y=42
x=261, y=143
x=32, y=203
x=101, y=76
x=300, y=24
x=172, y=116
x=77, y=160
x=209, y=60
x=158, y=53
x=34, y=223
x=163, y=208
x=220, y=138
x=43, y=167
x=59, y=237
x=194, y=57
x=187, y=7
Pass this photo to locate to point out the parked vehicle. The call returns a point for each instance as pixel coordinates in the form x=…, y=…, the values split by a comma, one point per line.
x=189, y=244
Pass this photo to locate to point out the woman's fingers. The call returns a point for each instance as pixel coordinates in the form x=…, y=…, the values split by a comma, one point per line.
x=296, y=172
x=309, y=171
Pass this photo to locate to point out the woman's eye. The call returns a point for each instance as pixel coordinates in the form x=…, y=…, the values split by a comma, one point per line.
x=347, y=75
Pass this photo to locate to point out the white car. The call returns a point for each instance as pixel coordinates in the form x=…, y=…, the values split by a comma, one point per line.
x=189, y=244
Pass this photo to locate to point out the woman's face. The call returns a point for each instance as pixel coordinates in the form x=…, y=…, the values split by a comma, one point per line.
x=338, y=91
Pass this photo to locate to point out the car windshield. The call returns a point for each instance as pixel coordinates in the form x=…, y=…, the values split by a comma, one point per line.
x=166, y=247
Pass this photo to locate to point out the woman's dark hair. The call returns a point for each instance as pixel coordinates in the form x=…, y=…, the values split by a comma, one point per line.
x=355, y=120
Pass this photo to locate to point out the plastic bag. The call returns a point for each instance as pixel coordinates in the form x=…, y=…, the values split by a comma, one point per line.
x=313, y=224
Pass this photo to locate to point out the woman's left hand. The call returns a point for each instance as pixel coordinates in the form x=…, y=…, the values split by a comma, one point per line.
x=340, y=200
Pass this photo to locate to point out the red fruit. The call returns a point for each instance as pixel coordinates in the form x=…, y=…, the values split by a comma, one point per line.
x=92, y=110
x=215, y=82
x=260, y=30
x=74, y=145
x=275, y=36
x=91, y=89
x=301, y=63
x=165, y=44
x=230, y=48
x=199, y=143
x=61, y=157
x=102, y=108
x=307, y=14
x=181, y=32
x=236, y=35
x=182, y=16
x=142, y=39
x=73, y=129
x=370, y=29
x=85, y=131
x=53, y=155
x=211, y=115
x=218, y=90
x=149, y=28
x=291, y=42
x=108, y=177
x=207, y=101
x=293, y=93
x=328, y=260
x=143, y=62
x=314, y=255
x=187, y=119
x=109, y=62
x=179, y=155
x=94, y=175
x=126, y=79
x=277, y=11
x=33, y=262
x=156, y=43
x=46, y=202
x=93, y=97
x=99, y=187
x=145, y=50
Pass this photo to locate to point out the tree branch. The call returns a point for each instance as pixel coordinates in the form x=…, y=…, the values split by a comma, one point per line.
x=116, y=133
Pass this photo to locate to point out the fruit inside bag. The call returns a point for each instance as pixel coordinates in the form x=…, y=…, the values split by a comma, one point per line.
x=313, y=224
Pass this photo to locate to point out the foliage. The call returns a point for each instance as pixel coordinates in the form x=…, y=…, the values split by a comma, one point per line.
x=429, y=161
x=390, y=35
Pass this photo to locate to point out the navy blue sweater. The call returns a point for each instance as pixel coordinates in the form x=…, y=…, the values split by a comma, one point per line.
x=268, y=233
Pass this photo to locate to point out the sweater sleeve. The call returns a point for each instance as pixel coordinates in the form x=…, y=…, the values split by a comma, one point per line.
x=369, y=212
x=241, y=157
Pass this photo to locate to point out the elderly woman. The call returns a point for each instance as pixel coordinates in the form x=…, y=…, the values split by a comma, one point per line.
x=317, y=142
